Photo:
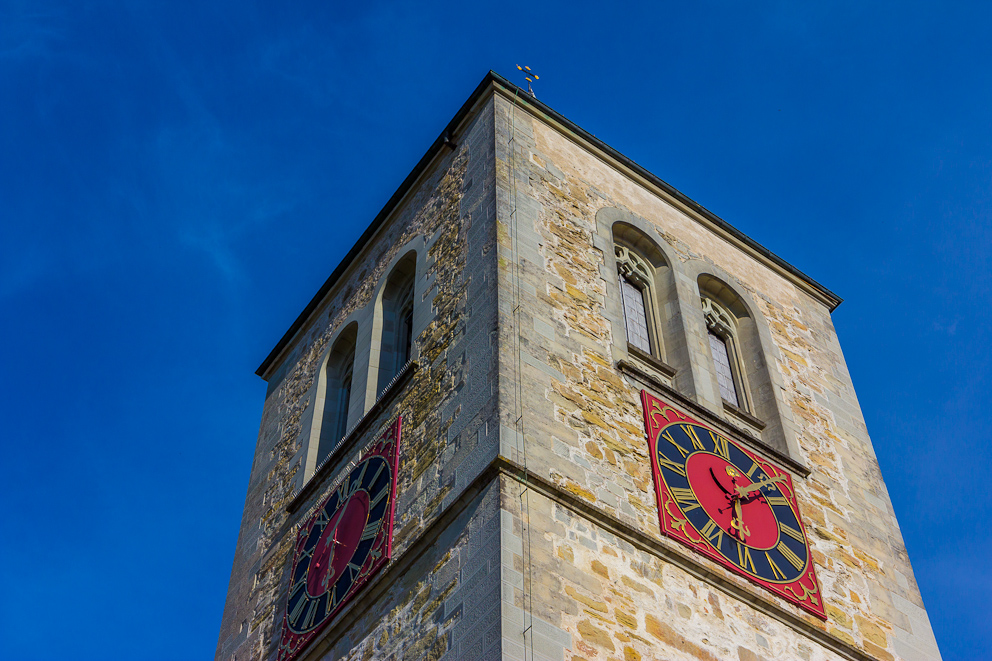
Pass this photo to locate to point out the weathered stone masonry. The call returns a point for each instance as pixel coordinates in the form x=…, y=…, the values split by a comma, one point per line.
x=526, y=525
x=582, y=429
x=448, y=406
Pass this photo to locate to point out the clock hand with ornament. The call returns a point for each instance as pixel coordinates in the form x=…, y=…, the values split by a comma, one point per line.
x=746, y=493
x=737, y=522
x=744, y=490
x=737, y=527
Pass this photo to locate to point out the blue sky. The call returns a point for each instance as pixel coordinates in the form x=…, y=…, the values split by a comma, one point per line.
x=178, y=179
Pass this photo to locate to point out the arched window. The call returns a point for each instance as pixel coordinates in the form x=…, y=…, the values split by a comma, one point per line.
x=739, y=362
x=337, y=393
x=649, y=303
x=635, y=294
x=396, y=343
x=721, y=327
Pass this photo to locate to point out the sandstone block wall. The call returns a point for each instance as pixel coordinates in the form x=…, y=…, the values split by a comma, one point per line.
x=526, y=524
x=572, y=418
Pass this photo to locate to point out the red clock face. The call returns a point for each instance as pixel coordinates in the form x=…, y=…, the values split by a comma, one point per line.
x=338, y=542
x=342, y=544
x=758, y=522
x=729, y=504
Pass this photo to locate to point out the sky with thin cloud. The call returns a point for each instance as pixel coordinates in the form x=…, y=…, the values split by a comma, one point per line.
x=178, y=179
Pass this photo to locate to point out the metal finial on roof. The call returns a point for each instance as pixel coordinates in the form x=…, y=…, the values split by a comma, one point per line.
x=527, y=74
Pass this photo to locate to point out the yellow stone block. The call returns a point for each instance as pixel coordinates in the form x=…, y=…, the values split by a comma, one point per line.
x=594, y=635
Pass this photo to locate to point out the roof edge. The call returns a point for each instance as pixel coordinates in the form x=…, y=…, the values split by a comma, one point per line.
x=377, y=222
x=445, y=138
x=828, y=297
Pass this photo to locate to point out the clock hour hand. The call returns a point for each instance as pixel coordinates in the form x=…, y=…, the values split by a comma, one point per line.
x=743, y=491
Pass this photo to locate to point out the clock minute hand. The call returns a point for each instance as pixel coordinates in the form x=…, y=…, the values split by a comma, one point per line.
x=757, y=486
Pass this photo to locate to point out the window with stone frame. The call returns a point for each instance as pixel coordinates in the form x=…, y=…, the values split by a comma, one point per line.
x=725, y=346
x=342, y=402
x=337, y=393
x=396, y=341
x=724, y=372
x=636, y=296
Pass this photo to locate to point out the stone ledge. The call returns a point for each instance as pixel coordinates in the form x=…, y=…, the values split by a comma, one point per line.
x=743, y=415
x=682, y=560
x=501, y=466
x=347, y=444
x=651, y=361
x=708, y=417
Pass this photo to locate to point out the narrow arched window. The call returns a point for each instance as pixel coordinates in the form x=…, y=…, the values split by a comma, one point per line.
x=652, y=323
x=739, y=366
x=635, y=279
x=721, y=326
x=337, y=393
x=724, y=370
x=404, y=332
x=396, y=343
x=342, y=403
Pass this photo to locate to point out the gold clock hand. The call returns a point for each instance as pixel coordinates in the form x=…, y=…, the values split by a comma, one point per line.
x=757, y=486
x=737, y=521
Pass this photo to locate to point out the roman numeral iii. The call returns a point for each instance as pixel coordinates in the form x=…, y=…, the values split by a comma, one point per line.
x=791, y=532
x=370, y=531
x=687, y=499
x=778, y=501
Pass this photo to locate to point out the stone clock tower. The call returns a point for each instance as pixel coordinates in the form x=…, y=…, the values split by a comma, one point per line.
x=550, y=408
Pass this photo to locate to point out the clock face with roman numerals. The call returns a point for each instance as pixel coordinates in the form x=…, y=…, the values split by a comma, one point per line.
x=342, y=544
x=726, y=502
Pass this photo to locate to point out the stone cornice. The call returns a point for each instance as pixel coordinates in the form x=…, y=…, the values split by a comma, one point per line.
x=642, y=176
x=494, y=83
x=705, y=415
x=694, y=565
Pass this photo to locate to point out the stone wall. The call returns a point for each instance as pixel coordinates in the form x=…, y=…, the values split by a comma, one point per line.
x=429, y=604
x=572, y=418
x=448, y=406
x=616, y=600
